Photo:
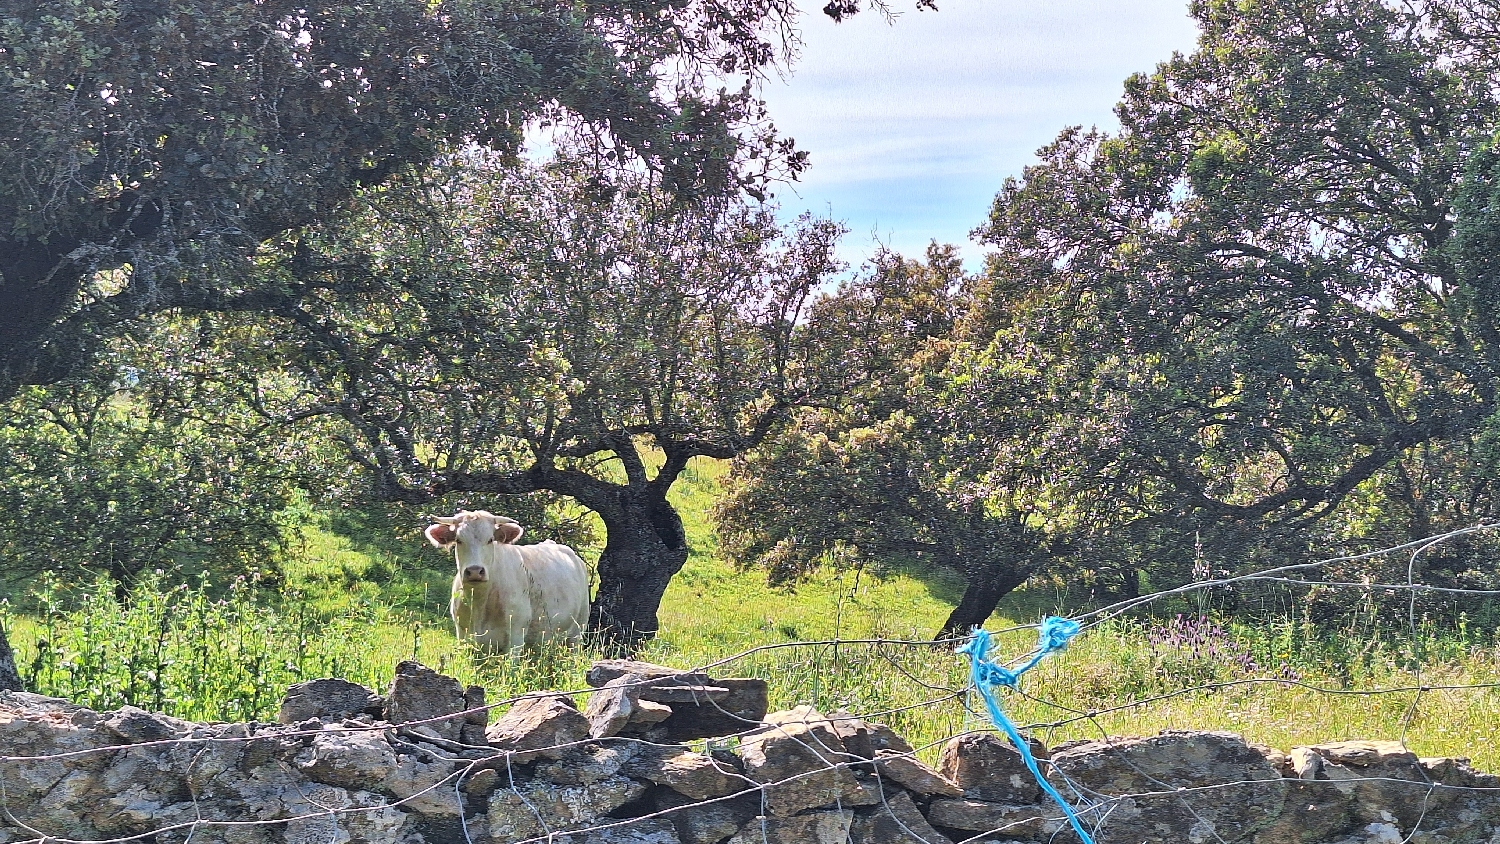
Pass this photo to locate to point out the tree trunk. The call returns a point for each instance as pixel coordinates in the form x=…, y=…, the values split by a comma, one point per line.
x=10, y=678
x=642, y=551
x=987, y=584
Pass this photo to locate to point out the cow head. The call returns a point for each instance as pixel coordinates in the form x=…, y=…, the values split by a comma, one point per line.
x=470, y=534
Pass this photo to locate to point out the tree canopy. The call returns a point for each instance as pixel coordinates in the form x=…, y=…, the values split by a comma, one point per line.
x=1254, y=325
x=546, y=328
x=148, y=147
x=878, y=476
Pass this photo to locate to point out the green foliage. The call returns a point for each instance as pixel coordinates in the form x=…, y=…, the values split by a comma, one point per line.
x=1112, y=680
x=546, y=324
x=149, y=149
x=146, y=463
x=1240, y=330
x=183, y=650
x=881, y=478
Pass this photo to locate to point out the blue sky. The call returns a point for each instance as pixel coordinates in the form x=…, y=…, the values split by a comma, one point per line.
x=913, y=125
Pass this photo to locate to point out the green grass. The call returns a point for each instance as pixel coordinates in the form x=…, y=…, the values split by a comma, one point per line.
x=355, y=607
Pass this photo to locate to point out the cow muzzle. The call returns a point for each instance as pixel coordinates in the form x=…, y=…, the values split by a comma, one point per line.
x=475, y=574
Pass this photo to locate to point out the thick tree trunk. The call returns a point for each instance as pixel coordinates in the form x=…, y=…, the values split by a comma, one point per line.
x=986, y=586
x=642, y=552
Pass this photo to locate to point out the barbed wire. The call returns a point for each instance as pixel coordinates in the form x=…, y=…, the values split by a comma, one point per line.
x=465, y=761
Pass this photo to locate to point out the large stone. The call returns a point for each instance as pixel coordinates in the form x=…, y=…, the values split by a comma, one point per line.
x=1313, y=812
x=360, y=759
x=426, y=787
x=533, y=809
x=671, y=692
x=987, y=768
x=137, y=726
x=1174, y=787
x=691, y=774
x=333, y=814
x=420, y=696
x=802, y=763
x=740, y=709
x=589, y=763
x=330, y=698
x=639, y=831
x=829, y=827
x=704, y=821
x=701, y=706
x=914, y=775
x=1382, y=781
x=475, y=712
x=865, y=739
x=605, y=670
x=1003, y=820
x=546, y=725
x=613, y=706
x=895, y=821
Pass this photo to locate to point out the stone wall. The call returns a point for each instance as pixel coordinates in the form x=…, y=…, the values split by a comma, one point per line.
x=423, y=763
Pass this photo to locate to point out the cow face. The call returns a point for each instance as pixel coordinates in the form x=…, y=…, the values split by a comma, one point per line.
x=472, y=534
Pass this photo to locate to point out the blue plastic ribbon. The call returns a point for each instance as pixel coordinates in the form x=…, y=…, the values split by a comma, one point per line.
x=1053, y=635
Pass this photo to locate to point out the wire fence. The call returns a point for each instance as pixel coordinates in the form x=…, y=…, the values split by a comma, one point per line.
x=1441, y=800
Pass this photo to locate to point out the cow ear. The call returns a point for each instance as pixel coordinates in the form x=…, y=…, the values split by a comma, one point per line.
x=442, y=536
x=507, y=532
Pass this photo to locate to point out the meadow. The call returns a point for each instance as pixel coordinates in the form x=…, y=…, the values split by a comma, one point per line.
x=349, y=606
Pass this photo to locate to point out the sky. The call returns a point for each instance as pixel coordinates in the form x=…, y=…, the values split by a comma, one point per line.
x=913, y=125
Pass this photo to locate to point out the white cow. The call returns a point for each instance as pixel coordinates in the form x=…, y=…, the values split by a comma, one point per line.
x=507, y=595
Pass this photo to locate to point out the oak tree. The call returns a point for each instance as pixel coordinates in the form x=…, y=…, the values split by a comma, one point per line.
x=149, y=147
x=553, y=328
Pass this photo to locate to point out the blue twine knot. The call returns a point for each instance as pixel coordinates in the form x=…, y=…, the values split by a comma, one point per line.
x=1052, y=635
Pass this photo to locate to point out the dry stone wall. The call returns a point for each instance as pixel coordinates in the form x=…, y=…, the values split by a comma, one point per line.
x=424, y=763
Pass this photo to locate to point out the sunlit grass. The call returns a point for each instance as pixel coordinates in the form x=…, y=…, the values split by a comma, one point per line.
x=354, y=609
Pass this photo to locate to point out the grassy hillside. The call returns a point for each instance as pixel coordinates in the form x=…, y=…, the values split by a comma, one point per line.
x=352, y=606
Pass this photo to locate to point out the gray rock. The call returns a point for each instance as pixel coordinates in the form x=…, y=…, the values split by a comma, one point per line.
x=605, y=670
x=588, y=764
x=802, y=763
x=914, y=775
x=671, y=691
x=534, y=808
x=829, y=827
x=701, y=706
x=611, y=706
x=476, y=713
x=329, y=697
x=136, y=726
x=482, y=782
x=473, y=735
x=425, y=787
x=704, y=822
x=744, y=706
x=896, y=821
x=374, y=822
x=693, y=775
x=1001, y=819
x=419, y=695
x=348, y=759
x=866, y=738
x=545, y=725
x=1382, y=780
x=640, y=831
x=1312, y=812
x=1247, y=794
x=987, y=768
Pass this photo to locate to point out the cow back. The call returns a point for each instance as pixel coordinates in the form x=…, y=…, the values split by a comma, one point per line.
x=559, y=591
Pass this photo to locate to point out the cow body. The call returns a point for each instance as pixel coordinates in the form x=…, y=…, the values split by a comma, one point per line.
x=506, y=596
